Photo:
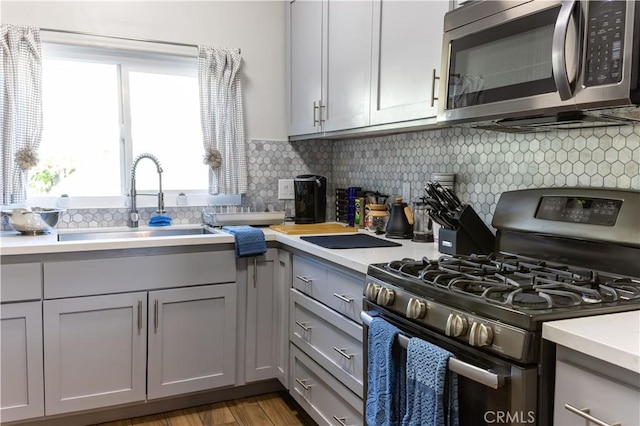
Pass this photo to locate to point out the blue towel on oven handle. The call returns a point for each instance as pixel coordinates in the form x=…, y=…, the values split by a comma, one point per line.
x=432, y=390
x=385, y=375
x=249, y=240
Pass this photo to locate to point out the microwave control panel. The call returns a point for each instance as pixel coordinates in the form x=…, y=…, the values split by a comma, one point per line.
x=605, y=42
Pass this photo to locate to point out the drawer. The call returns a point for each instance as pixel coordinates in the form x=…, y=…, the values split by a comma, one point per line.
x=607, y=399
x=330, y=339
x=345, y=293
x=339, y=290
x=128, y=274
x=309, y=277
x=325, y=399
x=21, y=281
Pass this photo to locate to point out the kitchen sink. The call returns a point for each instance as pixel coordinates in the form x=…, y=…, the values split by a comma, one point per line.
x=134, y=233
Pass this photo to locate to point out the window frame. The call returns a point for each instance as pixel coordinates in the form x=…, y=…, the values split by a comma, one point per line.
x=128, y=60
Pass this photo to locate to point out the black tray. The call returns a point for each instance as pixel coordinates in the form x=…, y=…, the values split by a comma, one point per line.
x=350, y=241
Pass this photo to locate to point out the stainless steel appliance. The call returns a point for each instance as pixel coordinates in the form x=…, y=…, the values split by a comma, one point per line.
x=310, y=194
x=536, y=64
x=560, y=253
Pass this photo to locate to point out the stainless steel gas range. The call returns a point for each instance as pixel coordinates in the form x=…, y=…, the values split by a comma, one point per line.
x=560, y=253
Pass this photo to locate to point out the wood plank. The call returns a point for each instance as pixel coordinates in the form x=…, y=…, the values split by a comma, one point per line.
x=250, y=414
x=118, y=423
x=278, y=411
x=188, y=417
x=216, y=414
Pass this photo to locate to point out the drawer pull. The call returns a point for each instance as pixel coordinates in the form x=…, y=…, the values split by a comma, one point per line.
x=139, y=316
x=303, y=325
x=340, y=420
x=584, y=413
x=342, y=352
x=304, y=384
x=341, y=297
x=304, y=279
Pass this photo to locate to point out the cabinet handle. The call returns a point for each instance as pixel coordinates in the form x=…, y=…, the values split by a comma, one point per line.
x=303, y=325
x=155, y=316
x=433, y=87
x=342, y=352
x=340, y=420
x=321, y=109
x=584, y=413
x=304, y=384
x=341, y=297
x=315, y=109
x=139, y=316
x=255, y=270
x=304, y=279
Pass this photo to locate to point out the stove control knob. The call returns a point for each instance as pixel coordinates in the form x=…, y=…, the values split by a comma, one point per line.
x=386, y=297
x=480, y=335
x=372, y=291
x=456, y=325
x=416, y=308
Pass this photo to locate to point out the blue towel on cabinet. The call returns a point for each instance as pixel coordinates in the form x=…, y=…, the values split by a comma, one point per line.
x=432, y=390
x=249, y=241
x=385, y=375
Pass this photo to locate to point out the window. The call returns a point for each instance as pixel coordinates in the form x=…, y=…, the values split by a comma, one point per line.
x=102, y=108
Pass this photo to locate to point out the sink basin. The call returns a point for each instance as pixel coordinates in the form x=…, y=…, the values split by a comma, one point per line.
x=134, y=233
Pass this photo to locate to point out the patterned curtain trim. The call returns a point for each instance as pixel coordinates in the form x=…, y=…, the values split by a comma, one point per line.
x=222, y=119
x=20, y=107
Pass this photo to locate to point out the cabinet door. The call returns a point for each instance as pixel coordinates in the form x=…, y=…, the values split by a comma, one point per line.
x=94, y=351
x=22, y=391
x=347, y=92
x=192, y=339
x=283, y=285
x=305, y=65
x=262, y=344
x=407, y=40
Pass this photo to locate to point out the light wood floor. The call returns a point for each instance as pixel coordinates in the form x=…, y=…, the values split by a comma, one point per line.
x=264, y=410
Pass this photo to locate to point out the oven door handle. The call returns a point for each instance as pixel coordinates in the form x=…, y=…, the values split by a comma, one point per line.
x=471, y=372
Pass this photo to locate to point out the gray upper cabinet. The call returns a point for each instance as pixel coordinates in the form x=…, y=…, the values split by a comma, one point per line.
x=305, y=66
x=362, y=65
x=329, y=65
x=408, y=40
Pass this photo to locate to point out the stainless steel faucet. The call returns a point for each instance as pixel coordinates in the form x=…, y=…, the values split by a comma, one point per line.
x=133, y=212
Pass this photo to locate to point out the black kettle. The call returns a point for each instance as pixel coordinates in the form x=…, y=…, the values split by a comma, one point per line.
x=400, y=224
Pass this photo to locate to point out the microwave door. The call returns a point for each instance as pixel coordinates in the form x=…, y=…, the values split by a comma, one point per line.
x=504, y=65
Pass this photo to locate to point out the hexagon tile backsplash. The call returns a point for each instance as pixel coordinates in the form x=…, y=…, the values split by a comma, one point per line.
x=486, y=164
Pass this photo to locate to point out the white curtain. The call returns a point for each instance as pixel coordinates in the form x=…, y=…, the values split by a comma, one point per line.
x=222, y=119
x=20, y=107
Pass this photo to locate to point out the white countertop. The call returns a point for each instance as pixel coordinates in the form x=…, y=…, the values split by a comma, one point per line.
x=11, y=243
x=614, y=338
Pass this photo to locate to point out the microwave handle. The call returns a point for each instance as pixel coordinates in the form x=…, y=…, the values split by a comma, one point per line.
x=558, y=56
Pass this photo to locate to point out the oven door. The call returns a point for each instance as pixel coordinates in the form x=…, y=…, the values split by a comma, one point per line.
x=512, y=61
x=490, y=390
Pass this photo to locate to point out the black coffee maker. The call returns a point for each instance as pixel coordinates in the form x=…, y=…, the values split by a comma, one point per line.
x=311, y=198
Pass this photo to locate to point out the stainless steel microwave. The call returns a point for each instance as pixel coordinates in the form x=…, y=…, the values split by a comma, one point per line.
x=538, y=63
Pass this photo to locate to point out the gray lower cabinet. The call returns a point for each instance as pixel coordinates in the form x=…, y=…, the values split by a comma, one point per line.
x=326, y=359
x=192, y=339
x=121, y=330
x=21, y=374
x=95, y=351
x=593, y=391
x=267, y=338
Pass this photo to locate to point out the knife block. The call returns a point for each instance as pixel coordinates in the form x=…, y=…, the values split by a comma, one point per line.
x=473, y=236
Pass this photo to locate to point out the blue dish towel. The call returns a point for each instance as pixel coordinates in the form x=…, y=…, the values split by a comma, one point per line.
x=249, y=241
x=432, y=390
x=385, y=375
